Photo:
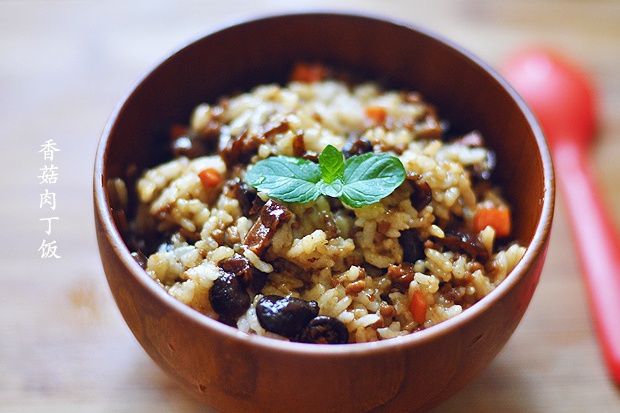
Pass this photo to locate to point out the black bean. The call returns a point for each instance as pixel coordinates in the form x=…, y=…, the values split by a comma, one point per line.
x=228, y=296
x=324, y=330
x=286, y=316
x=413, y=248
x=229, y=321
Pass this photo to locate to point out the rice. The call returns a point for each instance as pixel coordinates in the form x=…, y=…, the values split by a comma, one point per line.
x=383, y=270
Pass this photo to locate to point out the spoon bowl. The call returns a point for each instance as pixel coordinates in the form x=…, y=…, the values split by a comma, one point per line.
x=558, y=92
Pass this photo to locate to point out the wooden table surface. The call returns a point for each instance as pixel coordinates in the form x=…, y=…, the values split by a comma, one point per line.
x=63, y=67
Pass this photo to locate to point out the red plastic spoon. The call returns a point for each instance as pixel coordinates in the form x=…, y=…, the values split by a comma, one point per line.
x=563, y=101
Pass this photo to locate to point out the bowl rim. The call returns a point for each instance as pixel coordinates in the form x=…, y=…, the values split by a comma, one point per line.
x=536, y=247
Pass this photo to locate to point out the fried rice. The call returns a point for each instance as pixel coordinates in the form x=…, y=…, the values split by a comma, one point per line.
x=414, y=259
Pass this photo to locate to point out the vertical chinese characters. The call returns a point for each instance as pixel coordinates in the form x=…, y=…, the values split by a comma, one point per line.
x=47, y=200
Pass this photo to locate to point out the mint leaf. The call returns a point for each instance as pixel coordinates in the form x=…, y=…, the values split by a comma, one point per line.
x=286, y=178
x=333, y=189
x=331, y=163
x=370, y=177
x=358, y=181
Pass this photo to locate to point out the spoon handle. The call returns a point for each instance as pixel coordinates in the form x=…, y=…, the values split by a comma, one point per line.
x=598, y=245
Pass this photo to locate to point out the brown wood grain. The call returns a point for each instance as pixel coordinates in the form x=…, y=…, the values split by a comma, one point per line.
x=63, y=67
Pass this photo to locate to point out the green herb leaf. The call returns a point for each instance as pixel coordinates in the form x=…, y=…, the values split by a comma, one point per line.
x=358, y=181
x=331, y=163
x=371, y=177
x=287, y=178
x=333, y=189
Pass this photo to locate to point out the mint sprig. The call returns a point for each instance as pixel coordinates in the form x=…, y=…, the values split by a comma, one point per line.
x=358, y=181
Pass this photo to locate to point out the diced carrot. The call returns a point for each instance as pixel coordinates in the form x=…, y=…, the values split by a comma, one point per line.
x=377, y=114
x=210, y=177
x=498, y=218
x=310, y=73
x=418, y=307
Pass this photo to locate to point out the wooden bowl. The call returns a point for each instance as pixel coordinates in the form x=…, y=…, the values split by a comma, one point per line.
x=232, y=371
